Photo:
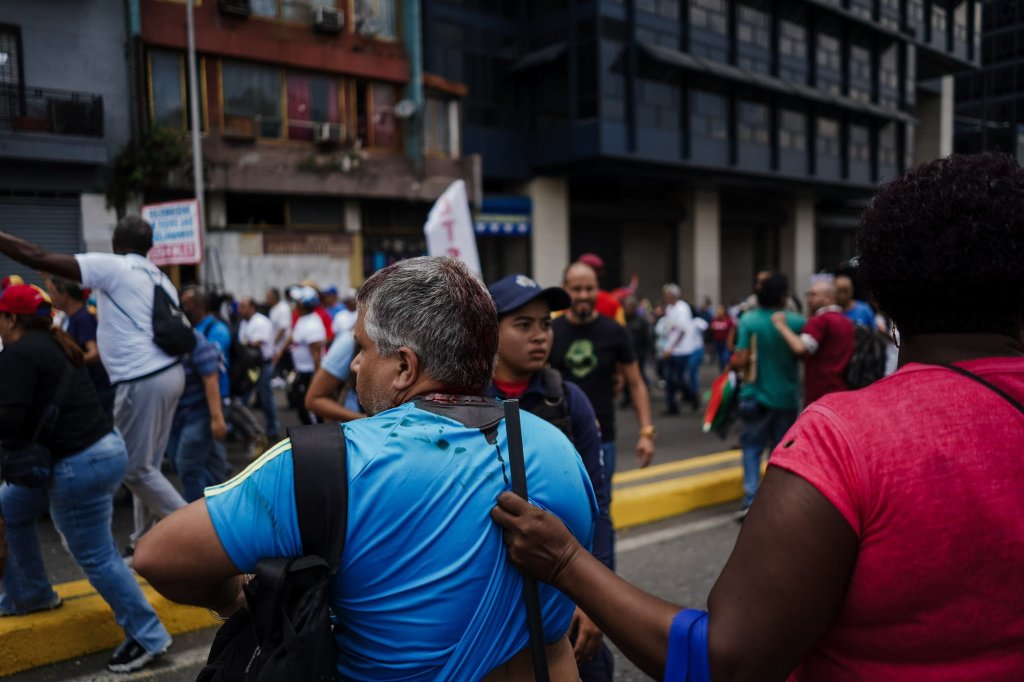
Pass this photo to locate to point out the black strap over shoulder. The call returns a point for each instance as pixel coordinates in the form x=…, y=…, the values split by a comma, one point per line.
x=319, y=462
x=998, y=391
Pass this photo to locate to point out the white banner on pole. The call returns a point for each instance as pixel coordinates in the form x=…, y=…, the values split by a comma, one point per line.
x=449, y=228
x=177, y=236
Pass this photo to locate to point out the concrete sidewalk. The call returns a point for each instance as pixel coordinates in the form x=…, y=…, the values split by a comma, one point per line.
x=85, y=624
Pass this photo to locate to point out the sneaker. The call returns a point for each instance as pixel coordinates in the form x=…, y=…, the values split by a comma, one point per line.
x=54, y=603
x=130, y=656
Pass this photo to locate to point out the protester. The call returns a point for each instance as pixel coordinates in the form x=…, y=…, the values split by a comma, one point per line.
x=256, y=330
x=306, y=344
x=329, y=297
x=750, y=303
x=520, y=372
x=280, y=314
x=859, y=312
x=825, y=344
x=88, y=463
x=345, y=319
x=676, y=352
x=605, y=303
x=721, y=325
x=196, y=445
x=769, y=397
x=886, y=542
x=80, y=324
x=148, y=381
x=639, y=329
x=422, y=592
x=333, y=376
x=588, y=349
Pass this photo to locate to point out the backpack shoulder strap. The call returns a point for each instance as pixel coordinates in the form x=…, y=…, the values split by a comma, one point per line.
x=319, y=461
x=554, y=389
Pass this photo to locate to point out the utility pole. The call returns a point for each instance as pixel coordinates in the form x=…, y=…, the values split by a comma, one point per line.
x=197, y=150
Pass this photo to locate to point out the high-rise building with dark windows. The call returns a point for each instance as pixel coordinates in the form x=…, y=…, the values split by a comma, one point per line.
x=990, y=103
x=694, y=140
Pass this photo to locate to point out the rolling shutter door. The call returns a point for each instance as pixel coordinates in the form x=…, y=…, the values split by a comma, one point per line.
x=54, y=223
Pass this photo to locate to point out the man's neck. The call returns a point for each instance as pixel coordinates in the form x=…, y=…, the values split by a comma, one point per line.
x=942, y=349
x=575, y=319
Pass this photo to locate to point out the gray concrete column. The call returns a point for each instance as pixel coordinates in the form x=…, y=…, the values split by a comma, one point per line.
x=549, y=243
x=798, y=244
x=933, y=137
x=699, y=255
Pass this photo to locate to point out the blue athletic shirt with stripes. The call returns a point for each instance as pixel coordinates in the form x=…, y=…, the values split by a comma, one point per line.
x=424, y=589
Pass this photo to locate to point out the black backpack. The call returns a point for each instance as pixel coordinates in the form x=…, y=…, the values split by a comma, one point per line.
x=172, y=332
x=284, y=633
x=867, y=364
x=551, y=407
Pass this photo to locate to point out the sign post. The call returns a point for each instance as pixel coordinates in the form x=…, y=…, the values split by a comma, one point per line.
x=177, y=232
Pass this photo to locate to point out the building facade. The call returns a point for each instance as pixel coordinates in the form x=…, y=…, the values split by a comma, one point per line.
x=324, y=143
x=695, y=141
x=990, y=103
x=64, y=115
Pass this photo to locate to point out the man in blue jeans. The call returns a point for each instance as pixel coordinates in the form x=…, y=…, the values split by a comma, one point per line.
x=770, y=394
x=194, y=447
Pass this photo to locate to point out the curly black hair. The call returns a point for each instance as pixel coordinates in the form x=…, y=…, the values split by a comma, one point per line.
x=942, y=247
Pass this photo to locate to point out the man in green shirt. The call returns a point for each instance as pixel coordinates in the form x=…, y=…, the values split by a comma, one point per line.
x=769, y=397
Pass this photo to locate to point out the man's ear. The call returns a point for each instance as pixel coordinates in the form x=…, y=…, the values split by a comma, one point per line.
x=408, y=372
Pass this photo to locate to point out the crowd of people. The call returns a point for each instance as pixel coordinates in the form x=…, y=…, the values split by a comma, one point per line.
x=883, y=543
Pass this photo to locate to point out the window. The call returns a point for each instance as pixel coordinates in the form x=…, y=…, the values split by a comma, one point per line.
x=792, y=130
x=889, y=14
x=860, y=73
x=829, y=64
x=377, y=123
x=709, y=29
x=939, y=19
x=169, y=98
x=828, y=137
x=710, y=115
x=860, y=146
x=288, y=9
x=792, y=52
x=754, y=43
x=889, y=77
x=312, y=101
x=753, y=123
x=376, y=18
x=440, y=121
x=10, y=56
x=887, y=152
x=252, y=99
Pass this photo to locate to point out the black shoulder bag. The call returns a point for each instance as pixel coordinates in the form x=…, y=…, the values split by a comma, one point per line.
x=995, y=389
x=32, y=465
x=284, y=633
x=172, y=332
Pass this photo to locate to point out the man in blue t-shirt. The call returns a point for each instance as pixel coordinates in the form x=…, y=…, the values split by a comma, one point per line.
x=423, y=590
x=195, y=446
x=859, y=312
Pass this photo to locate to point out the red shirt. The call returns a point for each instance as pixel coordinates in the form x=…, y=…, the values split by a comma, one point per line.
x=511, y=389
x=825, y=369
x=720, y=328
x=926, y=467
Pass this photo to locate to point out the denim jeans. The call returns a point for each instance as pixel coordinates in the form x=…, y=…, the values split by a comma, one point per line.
x=80, y=499
x=608, y=455
x=762, y=428
x=723, y=354
x=199, y=460
x=675, y=381
x=266, y=395
x=693, y=362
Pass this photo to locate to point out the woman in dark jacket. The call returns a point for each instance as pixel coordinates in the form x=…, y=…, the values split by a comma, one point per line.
x=88, y=463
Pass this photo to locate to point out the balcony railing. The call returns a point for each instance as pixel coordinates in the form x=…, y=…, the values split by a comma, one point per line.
x=24, y=108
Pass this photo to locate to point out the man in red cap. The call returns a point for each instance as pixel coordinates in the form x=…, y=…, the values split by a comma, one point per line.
x=606, y=304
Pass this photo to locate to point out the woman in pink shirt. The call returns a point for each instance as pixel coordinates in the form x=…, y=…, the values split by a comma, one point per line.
x=887, y=540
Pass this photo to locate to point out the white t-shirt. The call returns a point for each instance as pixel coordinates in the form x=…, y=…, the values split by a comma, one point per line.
x=281, y=319
x=258, y=329
x=344, y=321
x=680, y=318
x=124, y=335
x=309, y=329
x=693, y=340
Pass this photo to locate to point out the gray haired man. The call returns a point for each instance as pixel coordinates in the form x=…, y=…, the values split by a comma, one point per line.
x=423, y=589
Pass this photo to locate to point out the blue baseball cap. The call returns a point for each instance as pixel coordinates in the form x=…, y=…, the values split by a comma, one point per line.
x=515, y=291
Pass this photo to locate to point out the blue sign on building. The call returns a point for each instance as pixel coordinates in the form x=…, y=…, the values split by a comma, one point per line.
x=506, y=216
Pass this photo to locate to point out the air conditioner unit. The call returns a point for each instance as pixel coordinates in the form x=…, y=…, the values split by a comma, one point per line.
x=328, y=19
x=236, y=8
x=328, y=133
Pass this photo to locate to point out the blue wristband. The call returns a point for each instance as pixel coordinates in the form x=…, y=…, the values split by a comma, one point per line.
x=687, y=659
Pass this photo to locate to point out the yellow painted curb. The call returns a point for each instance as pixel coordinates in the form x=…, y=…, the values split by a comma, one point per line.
x=658, y=470
x=663, y=499
x=83, y=625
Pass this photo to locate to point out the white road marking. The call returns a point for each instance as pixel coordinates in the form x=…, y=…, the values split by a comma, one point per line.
x=665, y=534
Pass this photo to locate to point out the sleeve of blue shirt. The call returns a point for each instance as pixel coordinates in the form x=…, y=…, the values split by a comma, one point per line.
x=254, y=514
x=339, y=357
x=587, y=439
x=205, y=357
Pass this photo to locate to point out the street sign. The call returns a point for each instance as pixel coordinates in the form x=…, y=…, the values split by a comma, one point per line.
x=176, y=238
